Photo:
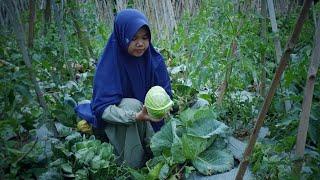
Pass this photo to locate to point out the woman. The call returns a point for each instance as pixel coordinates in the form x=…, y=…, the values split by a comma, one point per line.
x=128, y=68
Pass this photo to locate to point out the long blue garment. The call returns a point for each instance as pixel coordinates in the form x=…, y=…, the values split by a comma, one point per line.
x=120, y=75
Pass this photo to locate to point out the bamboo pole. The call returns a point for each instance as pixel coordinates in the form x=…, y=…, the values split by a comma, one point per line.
x=275, y=30
x=266, y=104
x=32, y=10
x=307, y=101
x=277, y=44
x=262, y=87
x=46, y=17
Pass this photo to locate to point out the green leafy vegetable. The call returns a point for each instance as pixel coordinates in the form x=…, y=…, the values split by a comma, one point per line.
x=163, y=140
x=213, y=161
x=157, y=102
x=198, y=138
x=206, y=128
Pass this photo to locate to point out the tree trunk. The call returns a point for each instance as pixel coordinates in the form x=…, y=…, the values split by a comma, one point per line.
x=266, y=104
x=307, y=101
x=32, y=10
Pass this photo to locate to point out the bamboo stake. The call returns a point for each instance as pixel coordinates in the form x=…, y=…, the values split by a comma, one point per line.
x=121, y=4
x=157, y=18
x=275, y=30
x=3, y=62
x=266, y=104
x=172, y=18
x=32, y=10
x=105, y=12
x=3, y=19
x=46, y=17
x=277, y=44
x=307, y=101
x=262, y=87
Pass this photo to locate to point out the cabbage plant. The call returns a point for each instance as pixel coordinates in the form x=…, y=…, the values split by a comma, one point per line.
x=194, y=140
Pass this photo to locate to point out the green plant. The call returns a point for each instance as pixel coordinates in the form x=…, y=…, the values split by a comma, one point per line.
x=194, y=141
x=157, y=102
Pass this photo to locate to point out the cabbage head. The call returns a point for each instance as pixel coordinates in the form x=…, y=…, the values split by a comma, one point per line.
x=157, y=102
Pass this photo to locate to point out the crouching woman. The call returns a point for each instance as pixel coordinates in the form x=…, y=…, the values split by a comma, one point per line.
x=128, y=68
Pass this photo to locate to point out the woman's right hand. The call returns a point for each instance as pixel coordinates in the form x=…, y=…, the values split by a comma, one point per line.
x=144, y=116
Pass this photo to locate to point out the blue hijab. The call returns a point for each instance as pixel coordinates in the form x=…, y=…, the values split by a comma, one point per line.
x=120, y=75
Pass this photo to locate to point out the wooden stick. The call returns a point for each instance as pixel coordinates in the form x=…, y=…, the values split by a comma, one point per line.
x=307, y=101
x=275, y=30
x=7, y=63
x=263, y=75
x=277, y=44
x=276, y=79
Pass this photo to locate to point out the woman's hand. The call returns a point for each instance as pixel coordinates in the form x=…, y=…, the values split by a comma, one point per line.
x=144, y=116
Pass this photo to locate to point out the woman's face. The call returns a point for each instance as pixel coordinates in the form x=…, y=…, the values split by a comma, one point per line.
x=139, y=43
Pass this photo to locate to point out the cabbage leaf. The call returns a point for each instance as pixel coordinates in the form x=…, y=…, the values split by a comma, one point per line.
x=206, y=128
x=213, y=161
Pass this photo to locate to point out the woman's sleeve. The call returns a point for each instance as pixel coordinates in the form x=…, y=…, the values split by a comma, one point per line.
x=124, y=113
x=115, y=115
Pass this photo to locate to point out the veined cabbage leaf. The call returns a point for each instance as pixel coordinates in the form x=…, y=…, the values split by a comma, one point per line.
x=206, y=128
x=213, y=161
x=162, y=141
